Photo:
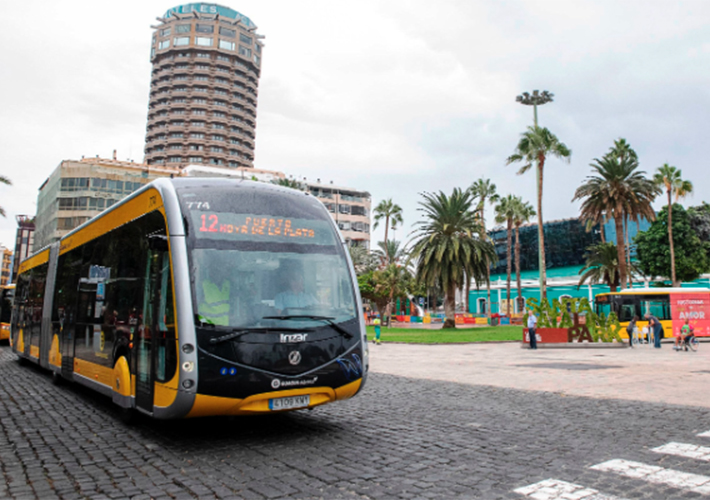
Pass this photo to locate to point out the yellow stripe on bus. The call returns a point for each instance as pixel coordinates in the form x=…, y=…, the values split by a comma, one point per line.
x=34, y=261
x=142, y=204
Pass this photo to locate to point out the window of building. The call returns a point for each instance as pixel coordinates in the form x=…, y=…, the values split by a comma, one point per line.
x=222, y=81
x=219, y=114
x=244, y=39
x=216, y=137
x=216, y=149
x=201, y=78
x=177, y=123
x=164, y=44
x=224, y=58
x=243, y=51
x=199, y=101
x=226, y=44
x=202, y=66
x=176, y=135
x=215, y=161
x=203, y=41
x=165, y=32
x=197, y=135
x=175, y=159
x=204, y=28
x=198, y=124
x=257, y=59
x=220, y=103
x=175, y=146
x=196, y=147
x=218, y=126
x=227, y=32
x=344, y=209
x=198, y=111
x=180, y=41
x=203, y=55
x=195, y=159
x=234, y=141
x=257, y=47
x=182, y=28
x=200, y=89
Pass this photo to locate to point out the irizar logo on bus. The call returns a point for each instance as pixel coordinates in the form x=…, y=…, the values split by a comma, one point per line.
x=293, y=337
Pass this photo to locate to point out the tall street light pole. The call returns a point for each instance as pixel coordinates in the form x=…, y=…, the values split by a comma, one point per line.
x=536, y=99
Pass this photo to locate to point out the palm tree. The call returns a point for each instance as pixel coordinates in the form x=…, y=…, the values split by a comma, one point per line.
x=363, y=260
x=390, y=212
x=620, y=191
x=289, y=183
x=602, y=266
x=447, y=245
x=7, y=182
x=505, y=213
x=670, y=177
x=534, y=147
x=622, y=150
x=524, y=211
x=394, y=280
x=391, y=251
x=484, y=189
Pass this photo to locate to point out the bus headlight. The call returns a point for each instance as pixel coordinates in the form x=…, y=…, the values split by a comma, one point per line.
x=188, y=366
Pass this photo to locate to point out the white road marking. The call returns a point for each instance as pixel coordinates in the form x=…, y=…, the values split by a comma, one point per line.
x=553, y=489
x=685, y=450
x=705, y=434
x=657, y=475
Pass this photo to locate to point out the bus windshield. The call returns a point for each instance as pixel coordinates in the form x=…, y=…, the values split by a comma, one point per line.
x=263, y=259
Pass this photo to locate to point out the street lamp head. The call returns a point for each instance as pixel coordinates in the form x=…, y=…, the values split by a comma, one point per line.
x=536, y=99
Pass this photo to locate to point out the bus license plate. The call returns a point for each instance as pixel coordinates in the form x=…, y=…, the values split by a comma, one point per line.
x=290, y=402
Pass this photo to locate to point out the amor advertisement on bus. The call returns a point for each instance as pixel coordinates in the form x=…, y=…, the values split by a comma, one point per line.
x=695, y=308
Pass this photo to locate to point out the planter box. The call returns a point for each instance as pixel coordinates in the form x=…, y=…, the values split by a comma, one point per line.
x=548, y=335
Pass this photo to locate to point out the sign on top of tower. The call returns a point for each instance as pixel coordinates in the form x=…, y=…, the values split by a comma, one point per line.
x=210, y=8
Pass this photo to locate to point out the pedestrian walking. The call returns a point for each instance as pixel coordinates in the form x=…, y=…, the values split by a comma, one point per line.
x=655, y=326
x=376, y=322
x=532, y=326
x=631, y=329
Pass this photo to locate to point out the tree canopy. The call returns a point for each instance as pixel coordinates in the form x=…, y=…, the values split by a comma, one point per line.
x=653, y=248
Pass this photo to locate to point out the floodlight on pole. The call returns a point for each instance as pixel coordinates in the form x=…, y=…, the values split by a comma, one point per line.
x=536, y=99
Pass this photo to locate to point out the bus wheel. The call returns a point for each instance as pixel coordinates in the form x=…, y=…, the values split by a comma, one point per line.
x=21, y=361
x=57, y=378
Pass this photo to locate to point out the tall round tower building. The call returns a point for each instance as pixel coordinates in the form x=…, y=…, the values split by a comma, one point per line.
x=203, y=92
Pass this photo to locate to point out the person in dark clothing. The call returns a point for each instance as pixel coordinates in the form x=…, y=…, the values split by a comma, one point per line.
x=631, y=329
x=655, y=326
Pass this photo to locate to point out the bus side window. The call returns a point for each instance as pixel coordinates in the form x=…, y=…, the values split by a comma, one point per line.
x=661, y=309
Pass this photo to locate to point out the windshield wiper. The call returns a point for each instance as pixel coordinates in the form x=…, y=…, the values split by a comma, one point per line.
x=327, y=319
x=229, y=336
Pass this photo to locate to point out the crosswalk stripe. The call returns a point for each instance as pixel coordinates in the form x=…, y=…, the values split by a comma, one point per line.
x=685, y=450
x=657, y=475
x=553, y=489
x=705, y=434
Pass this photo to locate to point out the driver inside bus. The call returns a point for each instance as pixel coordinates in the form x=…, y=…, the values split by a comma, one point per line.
x=213, y=293
x=295, y=297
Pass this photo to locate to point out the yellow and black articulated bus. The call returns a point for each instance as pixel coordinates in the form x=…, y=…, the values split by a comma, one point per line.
x=7, y=293
x=198, y=297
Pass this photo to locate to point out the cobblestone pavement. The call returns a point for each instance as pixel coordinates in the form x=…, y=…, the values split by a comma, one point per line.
x=402, y=438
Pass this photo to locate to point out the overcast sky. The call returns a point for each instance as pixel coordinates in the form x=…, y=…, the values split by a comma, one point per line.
x=393, y=97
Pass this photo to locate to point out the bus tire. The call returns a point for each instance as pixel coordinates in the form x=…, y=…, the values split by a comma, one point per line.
x=57, y=378
x=22, y=361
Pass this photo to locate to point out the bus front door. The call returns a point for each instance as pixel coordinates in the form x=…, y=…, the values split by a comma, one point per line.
x=157, y=269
